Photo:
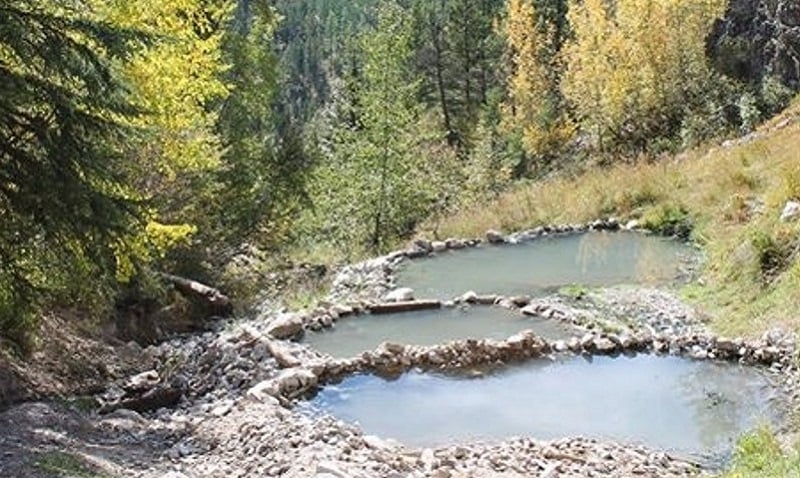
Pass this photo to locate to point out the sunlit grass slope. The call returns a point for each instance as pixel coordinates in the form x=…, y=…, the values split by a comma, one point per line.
x=731, y=195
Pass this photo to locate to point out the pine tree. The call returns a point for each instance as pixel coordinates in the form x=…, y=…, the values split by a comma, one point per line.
x=63, y=198
x=258, y=184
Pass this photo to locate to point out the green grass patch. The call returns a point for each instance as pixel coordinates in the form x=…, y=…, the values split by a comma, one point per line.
x=574, y=291
x=65, y=465
x=759, y=455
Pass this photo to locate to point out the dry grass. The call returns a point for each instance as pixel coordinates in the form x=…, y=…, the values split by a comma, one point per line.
x=733, y=195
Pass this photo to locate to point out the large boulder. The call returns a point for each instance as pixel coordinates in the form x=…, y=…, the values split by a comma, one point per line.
x=285, y=326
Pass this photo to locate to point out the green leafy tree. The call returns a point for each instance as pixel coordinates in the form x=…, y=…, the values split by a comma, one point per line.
x=369, y=190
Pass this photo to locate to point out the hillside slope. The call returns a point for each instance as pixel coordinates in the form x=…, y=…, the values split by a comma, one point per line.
x=730, y=197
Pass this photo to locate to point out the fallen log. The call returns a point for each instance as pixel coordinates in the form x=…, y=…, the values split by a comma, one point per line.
x=216, y=302
x=162, y=396
x=406, y=306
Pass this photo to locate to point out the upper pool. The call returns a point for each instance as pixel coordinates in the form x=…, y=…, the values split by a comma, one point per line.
x=546, y=263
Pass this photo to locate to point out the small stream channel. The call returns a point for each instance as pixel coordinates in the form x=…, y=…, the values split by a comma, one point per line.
x=544, y=264
x=692, y=408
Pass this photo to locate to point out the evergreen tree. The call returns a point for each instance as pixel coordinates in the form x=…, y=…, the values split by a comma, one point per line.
x=258, y=184
x=63, y=195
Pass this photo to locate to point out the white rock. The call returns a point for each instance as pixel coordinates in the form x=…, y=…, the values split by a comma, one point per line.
x=265, y=391
x=331, y=469
x=791, y=211
x=530, y=310
x=468, y=297
x=401, y=294
x=428, y=459
x=632, y=224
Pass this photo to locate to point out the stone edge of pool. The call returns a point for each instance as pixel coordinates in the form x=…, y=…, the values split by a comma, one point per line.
x=360, y=288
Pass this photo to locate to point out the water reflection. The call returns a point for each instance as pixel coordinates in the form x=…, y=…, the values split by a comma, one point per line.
x=664, y=402
x=596, y=259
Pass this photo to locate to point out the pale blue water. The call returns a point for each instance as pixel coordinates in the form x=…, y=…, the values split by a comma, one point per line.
x=675, y=404
x=353, y=335
x=593, y=259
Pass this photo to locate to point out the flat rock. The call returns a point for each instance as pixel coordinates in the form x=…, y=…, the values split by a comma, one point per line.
x=438, y=246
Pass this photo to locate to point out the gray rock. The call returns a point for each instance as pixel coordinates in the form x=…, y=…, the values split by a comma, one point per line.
x=455, y=243
x=494, y=237
x=285, y=326
x=438, y=246
x=791, y=211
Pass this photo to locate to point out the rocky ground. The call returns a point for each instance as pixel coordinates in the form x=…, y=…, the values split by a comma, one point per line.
x=222, y=403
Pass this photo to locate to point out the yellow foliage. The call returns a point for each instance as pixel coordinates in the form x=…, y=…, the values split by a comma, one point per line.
x=175, y=77
x=639, y=61
x=154, y=242
x=533, y=107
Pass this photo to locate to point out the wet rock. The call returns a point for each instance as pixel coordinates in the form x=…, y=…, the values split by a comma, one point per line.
x=468, y=298
x=402, y=294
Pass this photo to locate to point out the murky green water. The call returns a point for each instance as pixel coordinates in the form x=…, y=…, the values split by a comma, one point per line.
x=352, y=336
x=684, y=406
x=595, y=259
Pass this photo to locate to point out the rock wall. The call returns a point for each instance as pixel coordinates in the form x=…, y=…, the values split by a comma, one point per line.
x=757, y=39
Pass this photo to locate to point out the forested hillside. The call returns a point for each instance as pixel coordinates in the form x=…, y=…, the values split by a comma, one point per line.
x=164, y=136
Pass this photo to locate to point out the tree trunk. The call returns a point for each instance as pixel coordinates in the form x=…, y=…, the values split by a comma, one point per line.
x=216, y=302
x=436, y=32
